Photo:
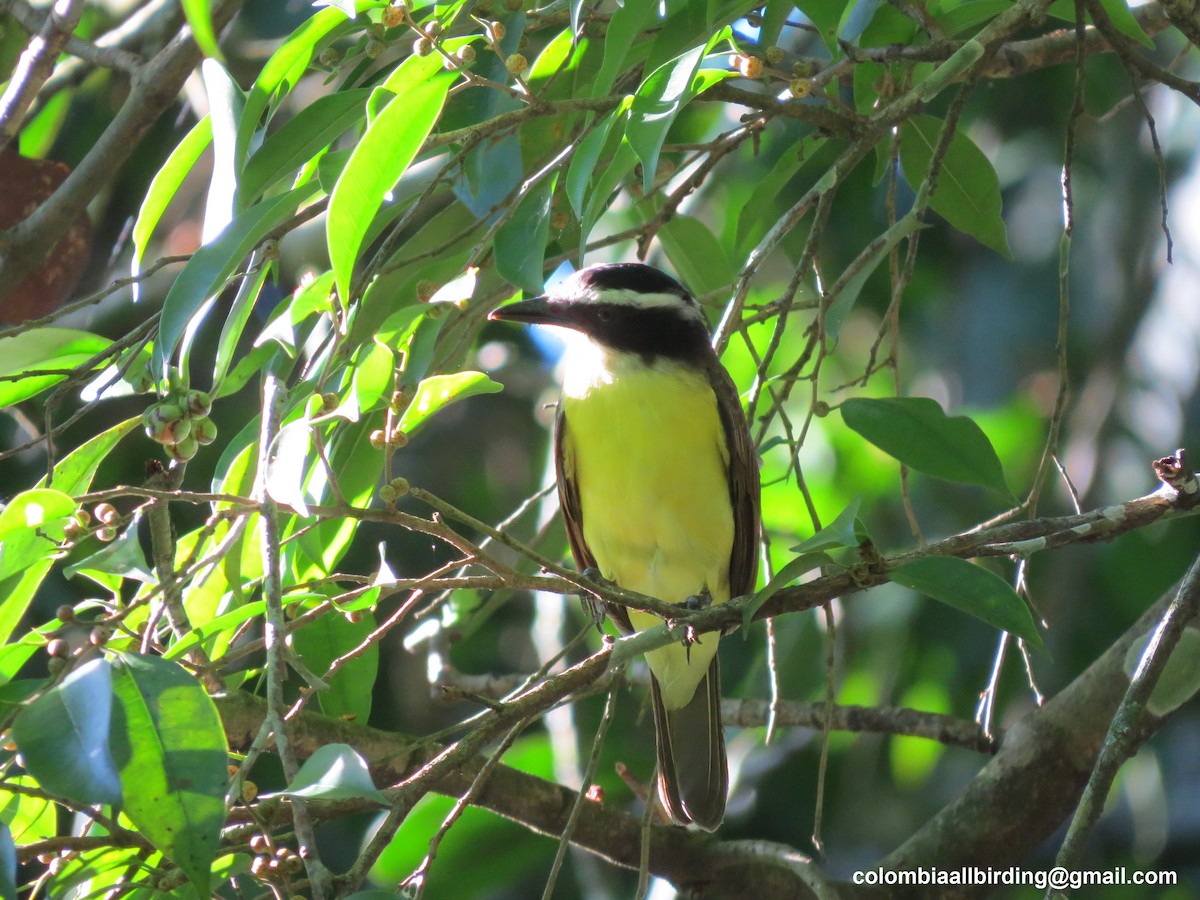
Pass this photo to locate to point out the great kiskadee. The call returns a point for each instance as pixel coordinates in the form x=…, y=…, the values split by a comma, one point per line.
x=659, y=488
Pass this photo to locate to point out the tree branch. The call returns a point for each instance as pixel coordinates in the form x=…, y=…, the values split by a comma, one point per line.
x=154, y=88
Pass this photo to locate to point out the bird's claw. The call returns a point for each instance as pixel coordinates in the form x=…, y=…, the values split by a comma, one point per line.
x=594, y=608
x=697, y=602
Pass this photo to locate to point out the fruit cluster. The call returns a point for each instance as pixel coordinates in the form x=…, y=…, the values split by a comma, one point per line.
x=180, y=423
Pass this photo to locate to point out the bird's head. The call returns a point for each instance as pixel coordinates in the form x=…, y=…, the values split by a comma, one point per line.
x=625, y=307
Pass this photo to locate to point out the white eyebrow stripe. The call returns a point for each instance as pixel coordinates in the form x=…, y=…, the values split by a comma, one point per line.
x=634, y=300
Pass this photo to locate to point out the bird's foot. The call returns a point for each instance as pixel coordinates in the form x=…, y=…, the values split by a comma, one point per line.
x=593, y=606
x=697, y=602
x=694, y=603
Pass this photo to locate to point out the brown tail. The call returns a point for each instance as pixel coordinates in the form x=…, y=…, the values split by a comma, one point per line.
x=693, y=777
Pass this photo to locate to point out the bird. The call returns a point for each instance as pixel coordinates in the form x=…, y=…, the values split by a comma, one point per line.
x=658, y=483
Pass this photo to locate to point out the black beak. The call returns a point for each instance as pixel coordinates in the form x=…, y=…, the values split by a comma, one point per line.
x=535, y=311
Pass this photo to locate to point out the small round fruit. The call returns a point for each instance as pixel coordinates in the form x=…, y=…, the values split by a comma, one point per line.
x=750, y=66
x=800, y=88
x=774, y=56
x=378, y=439
x=197, y=403
x=394, y=15
x=106, y=513
x=204, y=430
x=516, y=64
x=400, y=486
x=422, y=46
x=497, y=31
x=183, y=450
x=465, y=54
x=58, y=648
x=387, y=494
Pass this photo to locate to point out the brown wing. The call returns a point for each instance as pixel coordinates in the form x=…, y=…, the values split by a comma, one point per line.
x=744, y=482
x=572, y=514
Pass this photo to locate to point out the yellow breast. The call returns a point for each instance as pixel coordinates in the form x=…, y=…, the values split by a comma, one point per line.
x=650, y=461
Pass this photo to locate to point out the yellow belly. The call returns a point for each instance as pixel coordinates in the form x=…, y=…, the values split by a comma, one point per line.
x=651, y=464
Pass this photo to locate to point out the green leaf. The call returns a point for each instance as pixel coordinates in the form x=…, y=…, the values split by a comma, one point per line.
x=289, y=464
x=380, y=158
x=287, y=66
x=30, y=817
x=164, y=186
x=1123, y=20
x=842, y=532
x=211, y=266
x=971, y=589
x=838, y=534
x=334, y=772
x=226, y=101
x=116, y=560
x=1180, y=678
x=40, y=349
x=38, y=509
x=919, y=434
x=312, y=129
x=1118, y=11
x=8, y=863
x=619, y=38
x=826, y=16
x=199, y=16
x=372, y=376
x=235, y=323
x=696, y=254
x=170, y=746
x=657, y=103
x=773, y=20
x=583, y=163
x=439, y=391
x=622, y=163
x=63, y=736
x=520, y=243
x=968, y=191
x=331, y=636
x=843, y=295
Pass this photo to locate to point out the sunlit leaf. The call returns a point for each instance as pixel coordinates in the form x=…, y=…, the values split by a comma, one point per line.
x=63, y=736
x=213, y=264
x=334, y=772
x=226, y=101
x=170, y=747
x=439, y=391
x=199, y=16
x=36, y=509
x=657, y=103
x=312, y=129
x=41, y=350
x=164, y=186
x=287, y=66
x=378, y=161
x=622, y=29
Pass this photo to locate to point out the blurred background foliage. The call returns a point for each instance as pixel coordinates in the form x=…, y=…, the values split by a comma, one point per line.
x=975, y=329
